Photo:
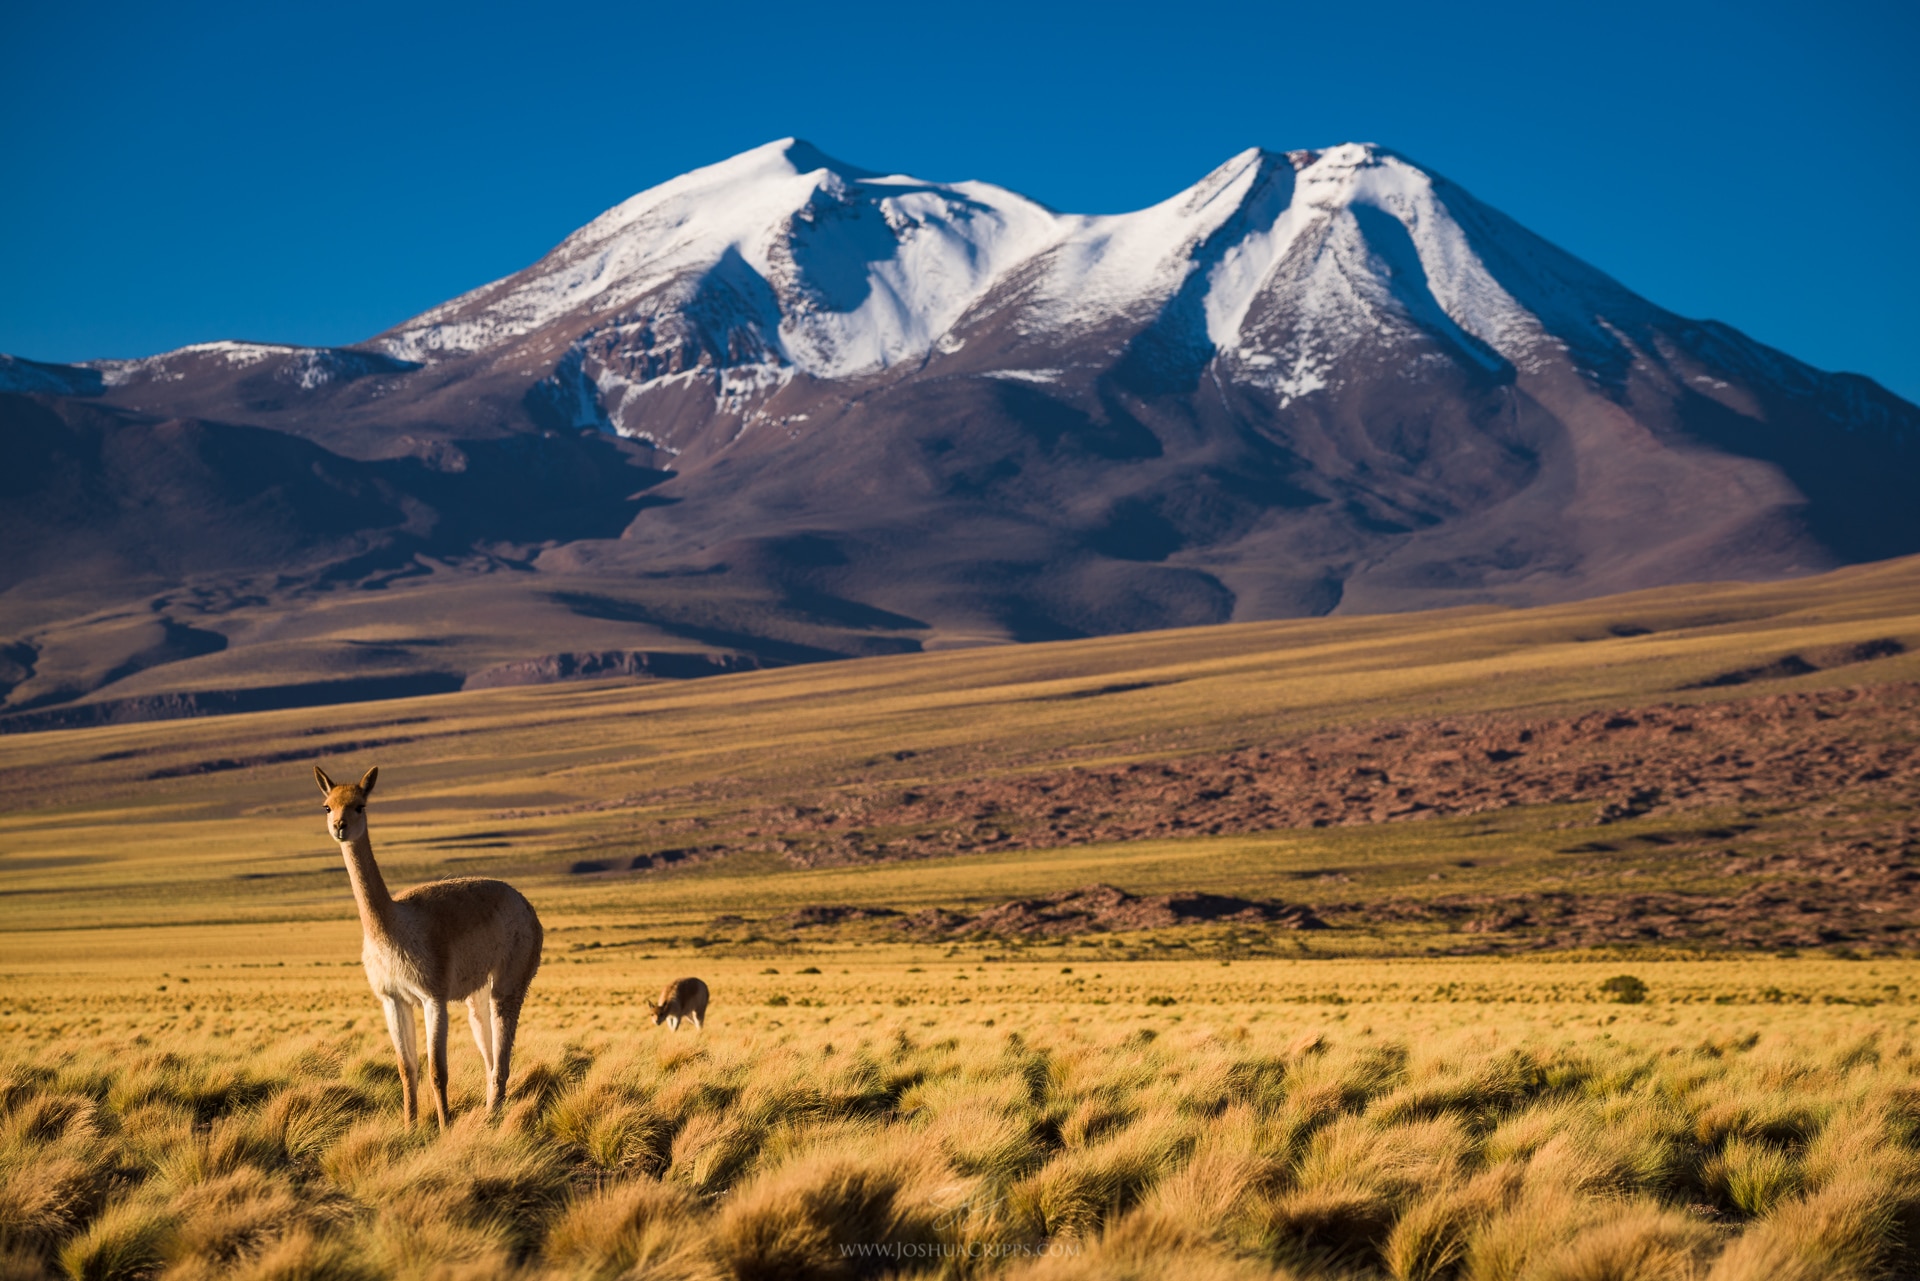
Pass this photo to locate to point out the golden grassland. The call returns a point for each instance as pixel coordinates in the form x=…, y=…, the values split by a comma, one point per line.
x=194, y=1079
x=905, y=1112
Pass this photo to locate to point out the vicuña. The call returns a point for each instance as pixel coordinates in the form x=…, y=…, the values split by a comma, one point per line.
x=682, y=999
x=466, y=939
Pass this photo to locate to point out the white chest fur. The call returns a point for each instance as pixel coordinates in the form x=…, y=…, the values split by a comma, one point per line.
x=390, y=972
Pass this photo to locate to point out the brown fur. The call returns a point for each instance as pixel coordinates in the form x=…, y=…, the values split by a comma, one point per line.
x=465, y=939
x=682, y=999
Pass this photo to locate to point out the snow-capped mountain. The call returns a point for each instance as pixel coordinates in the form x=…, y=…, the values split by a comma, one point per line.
x=782, y=261
x=732, y=279
x=930, y=412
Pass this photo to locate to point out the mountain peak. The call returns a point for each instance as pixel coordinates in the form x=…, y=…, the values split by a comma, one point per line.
x=807, y=158
x=1351, y=154
x=780, y=158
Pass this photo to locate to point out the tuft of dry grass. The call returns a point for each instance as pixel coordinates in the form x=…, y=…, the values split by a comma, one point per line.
x=832, y=1212
x=640, y=1227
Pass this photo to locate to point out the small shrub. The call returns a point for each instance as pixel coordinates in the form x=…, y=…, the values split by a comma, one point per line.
x=1624, y=989
x=300, y=1123
x=1161, y=1000
x=1075, y=1194
x=300, y=1255
x=610, y=1133
x=236, y=1215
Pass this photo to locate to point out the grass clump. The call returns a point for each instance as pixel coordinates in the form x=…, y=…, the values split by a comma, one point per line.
x=640, y=1227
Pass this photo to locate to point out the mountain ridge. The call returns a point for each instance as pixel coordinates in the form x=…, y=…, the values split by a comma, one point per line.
x=1313, y=380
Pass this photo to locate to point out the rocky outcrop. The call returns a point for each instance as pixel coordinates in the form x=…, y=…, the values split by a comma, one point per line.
x=548, y=669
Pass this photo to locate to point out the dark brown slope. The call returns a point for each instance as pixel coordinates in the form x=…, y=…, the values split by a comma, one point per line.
x=112, y=494
x=1086, y=506
x=941, y=506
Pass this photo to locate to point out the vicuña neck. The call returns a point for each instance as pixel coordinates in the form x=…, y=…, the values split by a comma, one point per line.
x=369, y=887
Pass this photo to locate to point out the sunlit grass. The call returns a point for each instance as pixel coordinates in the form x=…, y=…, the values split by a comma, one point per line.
x=1465, y=1118
x=1529, y=1130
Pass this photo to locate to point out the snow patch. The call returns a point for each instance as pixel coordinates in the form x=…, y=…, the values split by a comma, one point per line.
x=307, y=368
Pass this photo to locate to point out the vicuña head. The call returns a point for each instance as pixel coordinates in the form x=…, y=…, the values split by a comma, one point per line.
x=346, y=804
x=466, y=939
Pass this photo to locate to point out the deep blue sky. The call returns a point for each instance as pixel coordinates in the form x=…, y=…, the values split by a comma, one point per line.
x=313, y=174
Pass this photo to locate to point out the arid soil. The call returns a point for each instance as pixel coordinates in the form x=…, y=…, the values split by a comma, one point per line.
x=1816, y=791
x=1851, y=895
x=1089, y=909
x=1631, y=762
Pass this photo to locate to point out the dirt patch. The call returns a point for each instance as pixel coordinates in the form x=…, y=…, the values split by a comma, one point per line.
x=674, y=857
x=683, y=856
x=1859, y=893
x=1628, y=762
x=831, y=914
x=1101, y=909
x=1790, y=665
x=1812, y=840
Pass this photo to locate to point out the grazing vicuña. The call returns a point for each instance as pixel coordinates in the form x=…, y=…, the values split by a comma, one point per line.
x=682, y=999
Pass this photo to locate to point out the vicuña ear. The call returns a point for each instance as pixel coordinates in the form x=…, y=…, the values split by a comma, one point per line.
x=366, y=780
x=326, y=784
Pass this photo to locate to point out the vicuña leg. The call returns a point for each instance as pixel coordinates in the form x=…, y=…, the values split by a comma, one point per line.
x=480, y=1019
x=437, y=1056
x=407, y=1049
x=506, y=1021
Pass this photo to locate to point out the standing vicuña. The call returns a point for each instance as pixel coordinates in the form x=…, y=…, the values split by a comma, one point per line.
x=464, y=939
x=682, y=999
